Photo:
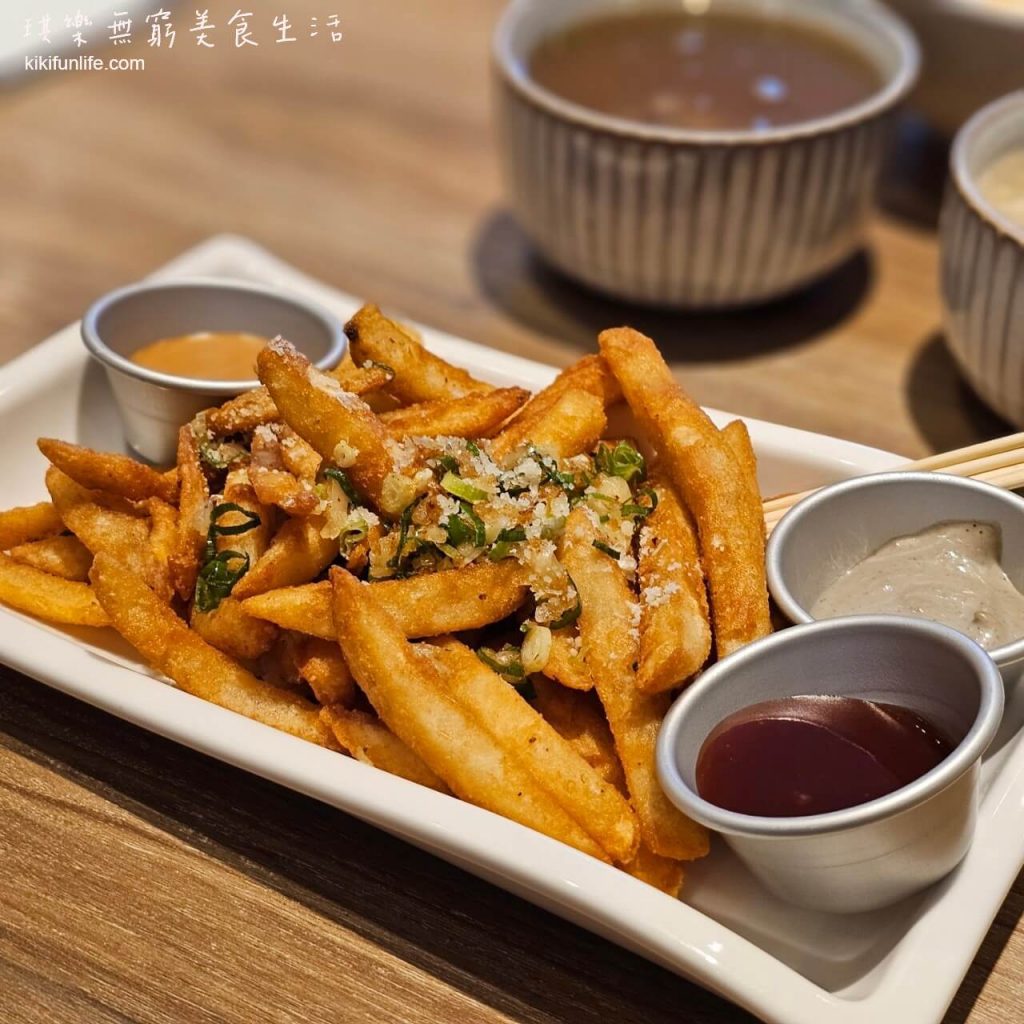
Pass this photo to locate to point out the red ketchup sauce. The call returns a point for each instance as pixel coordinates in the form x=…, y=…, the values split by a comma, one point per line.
x=811, y=755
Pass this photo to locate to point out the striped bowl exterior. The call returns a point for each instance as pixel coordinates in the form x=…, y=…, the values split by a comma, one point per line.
x=982, y=281
x=686, y=224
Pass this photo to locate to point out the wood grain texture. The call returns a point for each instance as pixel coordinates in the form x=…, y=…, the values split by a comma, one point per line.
x=140, y=882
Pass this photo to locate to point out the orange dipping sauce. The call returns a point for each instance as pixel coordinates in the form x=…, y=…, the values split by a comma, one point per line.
x=204, y=355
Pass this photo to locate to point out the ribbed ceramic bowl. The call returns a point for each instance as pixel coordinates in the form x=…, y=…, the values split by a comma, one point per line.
x=671, y=217
x=983, y=263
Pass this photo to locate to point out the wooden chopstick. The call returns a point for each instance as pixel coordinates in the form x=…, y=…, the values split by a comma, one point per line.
x=999, y=462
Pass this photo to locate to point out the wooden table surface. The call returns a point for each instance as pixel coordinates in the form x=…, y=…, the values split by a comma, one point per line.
x=140, y=882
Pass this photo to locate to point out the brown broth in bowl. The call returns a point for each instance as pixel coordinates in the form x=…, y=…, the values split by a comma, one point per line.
x=711, y=72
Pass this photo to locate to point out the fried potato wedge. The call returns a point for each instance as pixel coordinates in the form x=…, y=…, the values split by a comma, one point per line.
x=113, y=528
x=570, y=425
x=169, y=646
x=444, y=602
x=66, y=557
x=589, y=374
x=193, y=515
x=238, y=490
x=232, y=630
x=321, y=664
x=27, y=523
x=106, y=471
x=661, y=872
x=420, y=376
x=369, y=740
x=565, y=662
x=611, y=646
x=706, y=474
x=738, y=438
x=334, y=421
x=675, y=631
x=298, y=553
x=472, y=416
x=31, y=590
x=427, y=712
x=252, y=409
x=274, y=482
x=598, y=808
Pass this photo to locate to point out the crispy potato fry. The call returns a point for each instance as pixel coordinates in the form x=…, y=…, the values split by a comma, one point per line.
x=675, y=632
x=608, y=627
x=709, y=478
x=297, y=554
x=472, y=416
x=565, y=662
x=105, y=471
x=193, y=515
x=66, y=557
x=320, y=663
x=445, y=602
x=420, y=376
x=232, y=630
x=579, y=719
x=252, y=409
x=427, y=712
x=570, y=425
x=114, y=528
x=273, y=481
x=369, y=740
x=31, y=590
x=738, y=437
x=661, y=872
x=599, y=808
x=238, y=490
x=589, y=374
x=27, y=523
x=163, y=531
x=334, y=421
x=169, y=646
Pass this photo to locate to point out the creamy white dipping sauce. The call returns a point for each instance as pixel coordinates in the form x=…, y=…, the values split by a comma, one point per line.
x=1002, y=184
x=949, y=573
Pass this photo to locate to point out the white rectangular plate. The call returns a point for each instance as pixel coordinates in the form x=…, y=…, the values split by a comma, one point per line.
x=786, y=965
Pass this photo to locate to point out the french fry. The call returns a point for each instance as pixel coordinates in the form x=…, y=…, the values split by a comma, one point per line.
x=369, y=740
x=169, y=646
x=565, y=662
x=599, y=808
x=661, y=872
x=675, y=632
x=238, y=490
x=426, y=712
x=589, y=374
x=66, y=557
x=334, y=421
x=738, y=438
x=298, y=553
x=570, y=425
x=105, y=471
x=444, y=602
x=251, y=409
x=274, y=482
x=230, y=629
x=193, y=515
x=27, y=523
x=420, y=376
x=320, y=663
x=473, y=416
x=31, y=590
x=608, y=627
x=705, y=471
x=114, y=528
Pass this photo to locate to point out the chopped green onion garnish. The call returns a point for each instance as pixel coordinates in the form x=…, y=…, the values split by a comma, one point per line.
x=216, y=530
x=217, y=578
x=220, y=456
x=459, y=531
x=343, y=481
x=472, y=448
x=639, y=511
x=505, y=662
x=395, y=562
x=460, y=488
x=623, y=460
x=480, y=530
x=568, y=617
x=504, y=541
x=607, y=549
x=450, y=463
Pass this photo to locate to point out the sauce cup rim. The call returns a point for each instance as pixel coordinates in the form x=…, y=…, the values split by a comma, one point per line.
x=778, y=586
x=895, y=87
x=103, y=353
x=970, y=748
x=966, y=183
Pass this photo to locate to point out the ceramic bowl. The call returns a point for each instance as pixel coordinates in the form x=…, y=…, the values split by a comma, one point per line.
x=982, y=276
x=700, y=219
x=154, y=405
x=878, y=852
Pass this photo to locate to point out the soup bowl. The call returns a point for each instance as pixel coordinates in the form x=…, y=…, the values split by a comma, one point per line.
x=691, y=218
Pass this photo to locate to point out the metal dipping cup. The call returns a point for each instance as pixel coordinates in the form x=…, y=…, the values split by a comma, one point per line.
x=835, y=528
x=879, y=852
x=155, y=405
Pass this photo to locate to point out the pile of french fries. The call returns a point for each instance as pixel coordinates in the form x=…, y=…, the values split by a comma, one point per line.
x=560, y=585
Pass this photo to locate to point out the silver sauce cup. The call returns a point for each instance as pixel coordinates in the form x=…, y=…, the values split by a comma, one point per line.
x=833, y=529
x=879, y=852
x=154, y=405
